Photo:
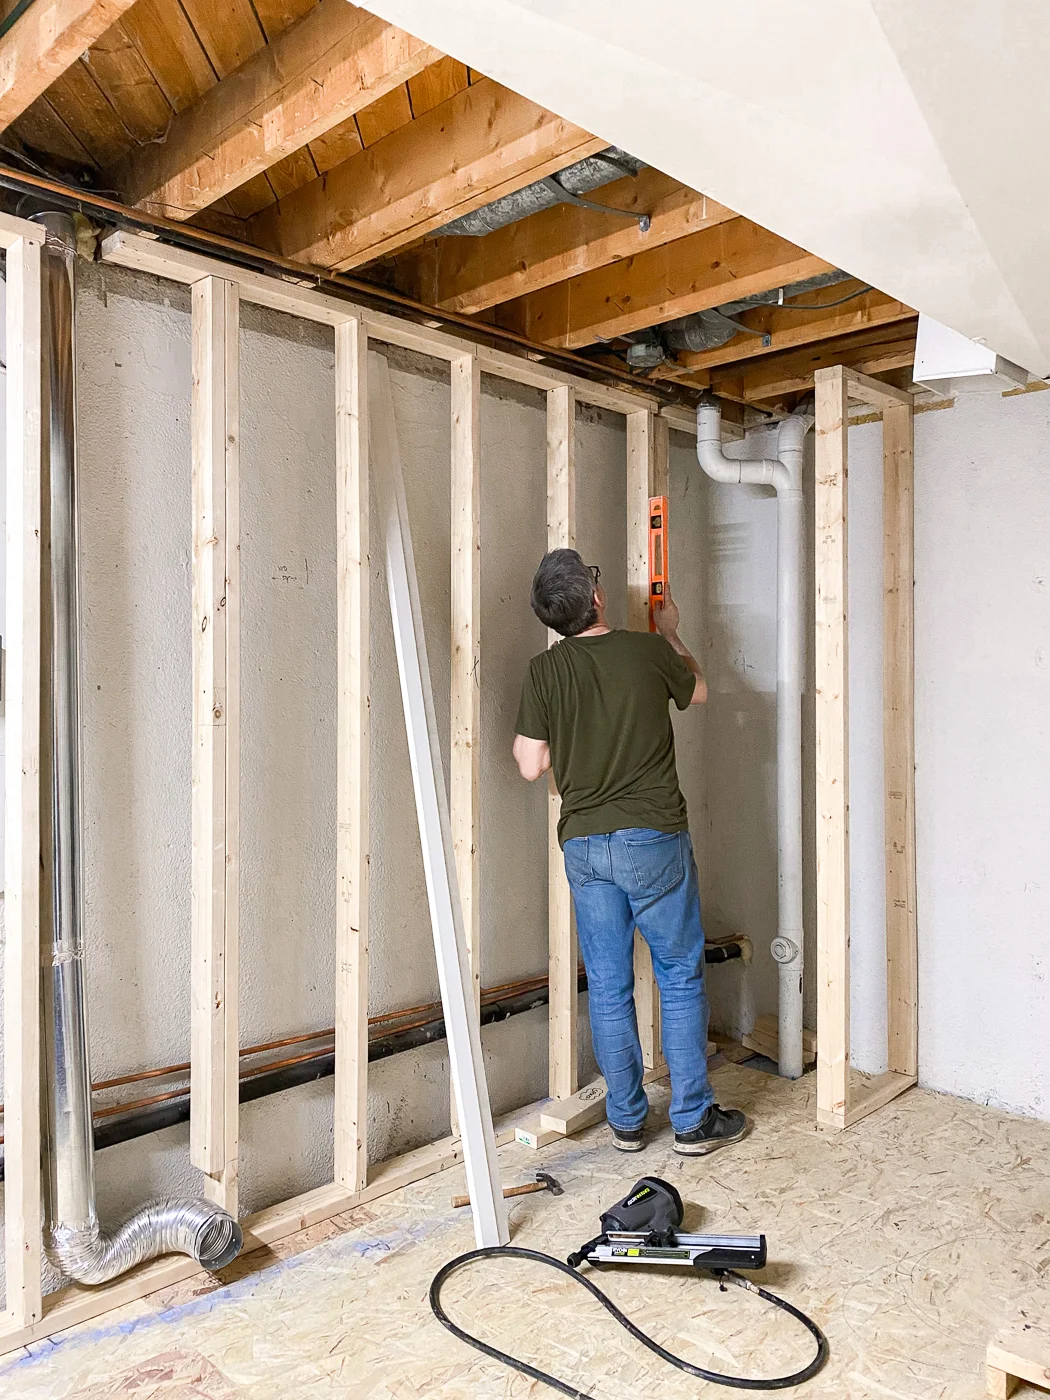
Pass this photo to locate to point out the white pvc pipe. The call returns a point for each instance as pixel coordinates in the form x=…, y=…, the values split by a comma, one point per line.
x=785, y=475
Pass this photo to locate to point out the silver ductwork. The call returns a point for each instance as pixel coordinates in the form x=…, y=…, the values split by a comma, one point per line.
x=74, y=1241
x=715, y=327
x=569, y=185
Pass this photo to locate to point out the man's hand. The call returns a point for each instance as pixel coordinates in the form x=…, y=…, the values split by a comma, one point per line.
x=667, y=618
x=533, y=757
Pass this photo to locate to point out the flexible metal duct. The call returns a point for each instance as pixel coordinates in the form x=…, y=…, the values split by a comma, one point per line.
x=574, y=181
x=74, y=1241
x=707, y=330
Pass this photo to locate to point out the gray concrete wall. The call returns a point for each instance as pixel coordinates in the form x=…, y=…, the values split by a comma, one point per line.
x=983, y=637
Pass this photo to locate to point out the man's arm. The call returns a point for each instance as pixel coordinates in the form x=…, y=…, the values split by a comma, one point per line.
x=667, y=619
x=533, y=757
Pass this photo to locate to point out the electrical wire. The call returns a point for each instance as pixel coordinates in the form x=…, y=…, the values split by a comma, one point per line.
x=821, y=305
x=724, y=1276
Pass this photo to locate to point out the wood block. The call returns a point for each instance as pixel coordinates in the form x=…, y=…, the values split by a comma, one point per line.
x=535, y=1136
x=1021, y=1352
x=765, y=1040
x=587, y=1106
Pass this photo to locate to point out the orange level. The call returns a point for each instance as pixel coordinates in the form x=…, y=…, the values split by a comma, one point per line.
x=657, y=555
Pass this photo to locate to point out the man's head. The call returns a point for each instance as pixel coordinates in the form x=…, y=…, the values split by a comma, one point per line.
x=565, y=593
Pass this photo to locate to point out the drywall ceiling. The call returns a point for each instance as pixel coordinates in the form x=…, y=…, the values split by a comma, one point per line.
x=901, y=142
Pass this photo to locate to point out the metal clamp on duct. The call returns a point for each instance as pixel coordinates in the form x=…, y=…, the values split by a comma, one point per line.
x=74, y=1241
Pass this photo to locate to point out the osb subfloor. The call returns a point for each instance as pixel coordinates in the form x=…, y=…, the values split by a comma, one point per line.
x=911, y=1239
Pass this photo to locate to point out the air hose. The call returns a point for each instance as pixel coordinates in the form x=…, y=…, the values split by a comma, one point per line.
x=724, y=1276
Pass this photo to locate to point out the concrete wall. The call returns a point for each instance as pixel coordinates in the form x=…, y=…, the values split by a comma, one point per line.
x=983, y=637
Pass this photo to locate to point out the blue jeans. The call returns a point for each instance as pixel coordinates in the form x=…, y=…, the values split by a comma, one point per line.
x=637, y=878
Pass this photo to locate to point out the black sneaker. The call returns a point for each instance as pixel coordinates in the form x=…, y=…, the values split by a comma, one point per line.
x=718, y=1128
x=628, y=1139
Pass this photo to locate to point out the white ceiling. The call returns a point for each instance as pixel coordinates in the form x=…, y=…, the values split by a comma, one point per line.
x=905, y=142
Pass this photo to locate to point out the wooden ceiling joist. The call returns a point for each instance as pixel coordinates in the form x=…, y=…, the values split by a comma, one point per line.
x=43, y=43
x=469, y=275
x=790, y=327
x=483, y=143
x=716, y=265
x=773, y=378
x=332, y=63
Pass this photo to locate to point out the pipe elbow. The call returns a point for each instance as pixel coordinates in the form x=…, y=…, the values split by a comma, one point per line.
x=713, y=461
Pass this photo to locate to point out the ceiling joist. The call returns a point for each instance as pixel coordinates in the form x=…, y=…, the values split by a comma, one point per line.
x=483, y=143
x=731, y=260
x=319, y=72
x=43, y=43
x=469, y=275
x=774, y=377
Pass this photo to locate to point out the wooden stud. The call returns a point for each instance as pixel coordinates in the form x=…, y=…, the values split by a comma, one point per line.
x=875, y=392
x=1021, y=1352
x=465, y=749
x=22, y=1239
x=214, y=1079
x=465, y=765
x=646, y=475
x=352, y=750
x=297, y=298
x=832, y=748
x=461, y=1024
x=902, y=970
x=563, y=1006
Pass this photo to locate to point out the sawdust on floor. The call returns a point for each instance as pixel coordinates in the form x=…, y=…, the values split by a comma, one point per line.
x=911, y=1239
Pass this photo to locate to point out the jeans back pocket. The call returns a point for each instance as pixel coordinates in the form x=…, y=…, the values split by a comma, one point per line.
x=656, y=860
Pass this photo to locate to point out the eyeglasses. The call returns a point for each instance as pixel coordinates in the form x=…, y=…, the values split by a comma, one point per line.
x=596, y=573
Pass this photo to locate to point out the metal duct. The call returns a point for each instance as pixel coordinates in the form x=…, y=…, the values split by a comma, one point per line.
x=74, y=1241
x=707, y=330
x=575, y=180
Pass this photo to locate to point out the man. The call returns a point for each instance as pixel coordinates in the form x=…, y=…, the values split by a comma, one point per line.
x=595, y=708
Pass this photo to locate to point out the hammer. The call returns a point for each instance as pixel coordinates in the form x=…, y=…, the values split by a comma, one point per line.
x=544, y=1182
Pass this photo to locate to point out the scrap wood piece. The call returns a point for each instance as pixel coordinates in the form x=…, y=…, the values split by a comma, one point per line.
x=764, y=1039
x=1021, y=1352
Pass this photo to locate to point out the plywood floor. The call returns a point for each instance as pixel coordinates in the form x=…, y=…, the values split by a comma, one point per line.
x=911, y=1239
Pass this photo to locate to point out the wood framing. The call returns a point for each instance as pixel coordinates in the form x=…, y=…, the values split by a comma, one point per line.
x=647, y=449
x=465, y=751
x=775, y=329
x=470, y=274
x=22, y=1199
x=838, y=1102
x=719, y=264
x=314, y=75
x=463, y=1033
x=484, y=142
x=43, y=43
x=1019, y=1353
x=352, y=749
x=465, y=644
x=563, y=1004
x=214, y=1060
x=217, y=289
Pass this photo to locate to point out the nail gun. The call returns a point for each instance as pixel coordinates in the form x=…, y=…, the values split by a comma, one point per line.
x=643, y=1228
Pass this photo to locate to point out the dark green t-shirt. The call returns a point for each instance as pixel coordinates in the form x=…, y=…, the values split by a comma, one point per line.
x=601, y=705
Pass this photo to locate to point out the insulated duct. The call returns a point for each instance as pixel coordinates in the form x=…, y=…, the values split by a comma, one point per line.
x=785, y=475
x=568, y=186
x=74, y=1241
x=713, y=328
